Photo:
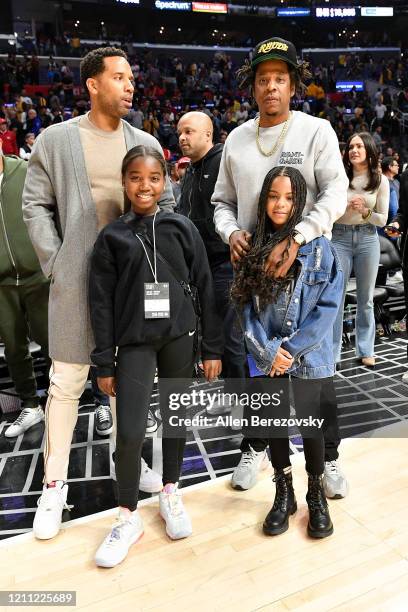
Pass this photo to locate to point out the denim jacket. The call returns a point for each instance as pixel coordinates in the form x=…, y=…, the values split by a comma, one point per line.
x=302, y=323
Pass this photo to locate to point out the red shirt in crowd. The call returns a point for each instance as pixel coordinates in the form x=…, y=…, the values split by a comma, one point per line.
x=9, y=141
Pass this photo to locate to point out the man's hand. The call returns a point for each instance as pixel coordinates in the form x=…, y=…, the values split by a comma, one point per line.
x=275, y=256
x=239, y=242
x=107, y=385
x=389, y=231
x=212, y=368
x=283, y=361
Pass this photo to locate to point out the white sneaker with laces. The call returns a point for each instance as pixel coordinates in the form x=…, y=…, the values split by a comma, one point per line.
x=223, y=406
x=150, y=481
x=47, y=520
x=172, y=511
x=246, y=473
x=334, y=481
x=126, y=531
x=26, y=419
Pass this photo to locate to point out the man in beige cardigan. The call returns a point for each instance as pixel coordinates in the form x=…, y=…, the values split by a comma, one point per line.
x=73, y=189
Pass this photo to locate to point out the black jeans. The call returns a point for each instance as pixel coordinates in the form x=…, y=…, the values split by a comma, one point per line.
x=136, y=366
x=234, y=359
x=328, y=411
x=100, y=398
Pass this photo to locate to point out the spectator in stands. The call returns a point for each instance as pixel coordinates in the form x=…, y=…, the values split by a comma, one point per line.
x=23, y=295
x=8, y=139
x=33, y=122
x=390, y=169
x=25, y=150
x=378, y=138
x=356, y=240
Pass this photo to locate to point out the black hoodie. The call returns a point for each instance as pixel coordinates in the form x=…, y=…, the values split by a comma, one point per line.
x=195, y=203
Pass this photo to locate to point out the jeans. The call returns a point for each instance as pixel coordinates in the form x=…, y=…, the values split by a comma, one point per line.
x=100, y=398
x=234, y=359
x=358, y=248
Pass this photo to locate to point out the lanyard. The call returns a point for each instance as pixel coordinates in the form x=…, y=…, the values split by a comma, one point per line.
x=154, y=270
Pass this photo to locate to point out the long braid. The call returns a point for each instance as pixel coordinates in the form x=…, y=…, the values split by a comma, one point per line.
x=250, y=277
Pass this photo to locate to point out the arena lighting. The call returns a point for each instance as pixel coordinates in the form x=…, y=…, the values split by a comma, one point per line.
x=293, y=11
x=128, y=1
x=335, y=11
x=210, y=7
x=377, y=11
x=172, y=5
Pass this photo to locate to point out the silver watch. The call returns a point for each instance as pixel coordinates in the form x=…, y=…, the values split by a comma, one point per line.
x=298, y=238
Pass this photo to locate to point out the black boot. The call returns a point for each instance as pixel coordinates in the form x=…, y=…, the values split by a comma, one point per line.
x=284, y=505
x=320, y=525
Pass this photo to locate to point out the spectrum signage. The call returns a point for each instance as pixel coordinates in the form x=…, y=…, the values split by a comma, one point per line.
x=209, y=7
x=172, y=5
x=293, y=12
x=377, y=11
x=335, y=11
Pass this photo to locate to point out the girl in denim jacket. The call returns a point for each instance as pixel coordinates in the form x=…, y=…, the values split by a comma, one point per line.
x=288, y=329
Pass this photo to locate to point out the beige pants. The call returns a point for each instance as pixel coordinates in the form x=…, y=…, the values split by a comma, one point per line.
x=67, y=383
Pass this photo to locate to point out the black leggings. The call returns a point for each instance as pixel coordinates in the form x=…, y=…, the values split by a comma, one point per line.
x=136, y=366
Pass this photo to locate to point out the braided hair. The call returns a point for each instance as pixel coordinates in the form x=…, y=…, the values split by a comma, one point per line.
x=250, y=277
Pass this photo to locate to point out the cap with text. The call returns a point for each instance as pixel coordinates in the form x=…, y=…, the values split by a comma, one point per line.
x=275, y=48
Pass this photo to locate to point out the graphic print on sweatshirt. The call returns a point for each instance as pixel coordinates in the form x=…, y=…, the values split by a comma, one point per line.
x=289, y=158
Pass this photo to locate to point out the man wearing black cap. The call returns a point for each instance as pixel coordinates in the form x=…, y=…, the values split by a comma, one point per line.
x=281, y=137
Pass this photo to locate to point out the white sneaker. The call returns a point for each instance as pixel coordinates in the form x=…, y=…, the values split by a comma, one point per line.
x=150, y=481
x=405, y=377
x=246, y=473
x=223, y=406
x=47, y=520
x=172, y=511
x=334, y=481
x=115, y=547
x=26, y=419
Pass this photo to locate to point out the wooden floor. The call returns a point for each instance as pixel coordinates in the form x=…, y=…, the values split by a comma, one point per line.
x=228, y=564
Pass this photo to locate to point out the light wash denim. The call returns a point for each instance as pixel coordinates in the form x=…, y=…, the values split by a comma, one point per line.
x=358, y=248
x=302, y=322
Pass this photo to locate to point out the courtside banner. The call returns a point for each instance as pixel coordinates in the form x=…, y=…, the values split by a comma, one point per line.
x=210, y=7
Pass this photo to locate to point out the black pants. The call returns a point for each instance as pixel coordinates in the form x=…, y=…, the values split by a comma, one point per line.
x=322, y=389
x=136, y=366
x=234, y=359
x=24, y=317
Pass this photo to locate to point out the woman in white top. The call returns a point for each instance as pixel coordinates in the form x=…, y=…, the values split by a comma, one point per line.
x=356, y=241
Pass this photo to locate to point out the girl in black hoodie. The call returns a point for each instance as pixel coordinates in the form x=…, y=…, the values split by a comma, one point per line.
x=140, y=302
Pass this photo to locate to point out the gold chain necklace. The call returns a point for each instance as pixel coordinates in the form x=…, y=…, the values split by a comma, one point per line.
x=279, y=140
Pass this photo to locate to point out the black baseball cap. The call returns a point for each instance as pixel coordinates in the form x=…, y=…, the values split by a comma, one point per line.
x=275, y=48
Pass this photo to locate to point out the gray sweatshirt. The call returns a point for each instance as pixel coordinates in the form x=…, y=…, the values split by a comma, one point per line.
x=310, y=145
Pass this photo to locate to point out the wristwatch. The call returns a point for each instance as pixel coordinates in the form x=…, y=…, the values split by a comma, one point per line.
x=298, y=238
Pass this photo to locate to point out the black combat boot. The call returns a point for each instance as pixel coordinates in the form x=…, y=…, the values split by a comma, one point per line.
x=284, y=505
x=320, y=525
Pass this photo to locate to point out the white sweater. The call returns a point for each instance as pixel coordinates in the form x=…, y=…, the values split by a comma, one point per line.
x=310, y=145
x=378, y=201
